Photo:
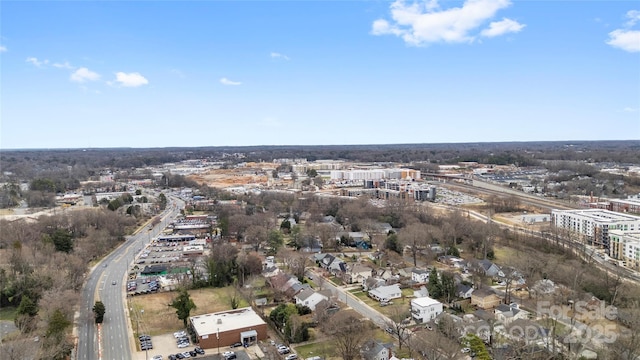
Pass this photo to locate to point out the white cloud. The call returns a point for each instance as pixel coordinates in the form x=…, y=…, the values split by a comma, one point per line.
x=3, y=48
x=275, y=55
x=36, y=62
x=64, y=65
x=133, y=79
x=225, y=81
x=627, y=40
x=83, y=75
x=421, y=23
x=502, y=27
x=633, y=16
x=629, y=109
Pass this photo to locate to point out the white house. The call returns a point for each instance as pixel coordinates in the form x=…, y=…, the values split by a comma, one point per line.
x=386, y=293
x=420, y=276
x=425, y=309
x=309, y=298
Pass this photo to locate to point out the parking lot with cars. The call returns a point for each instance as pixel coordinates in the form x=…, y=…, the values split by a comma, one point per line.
x=168, y=347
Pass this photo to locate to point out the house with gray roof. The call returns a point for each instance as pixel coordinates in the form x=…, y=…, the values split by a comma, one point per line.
x=386, y=293
x=376, y=350
x=310, y=298
x=420, y=276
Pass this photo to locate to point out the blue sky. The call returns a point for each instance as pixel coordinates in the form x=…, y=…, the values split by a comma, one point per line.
x=222, y=73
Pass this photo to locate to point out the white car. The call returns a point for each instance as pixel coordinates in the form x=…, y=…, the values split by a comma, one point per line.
x=183, y=345
x=157, y=357
x=291, y=357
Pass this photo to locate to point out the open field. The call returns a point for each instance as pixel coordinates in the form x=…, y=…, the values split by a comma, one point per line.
x=159, y=318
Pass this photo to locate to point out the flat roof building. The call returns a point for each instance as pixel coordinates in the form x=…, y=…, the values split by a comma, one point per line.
x=228, y=327
x=594, y=224
x=625, y=246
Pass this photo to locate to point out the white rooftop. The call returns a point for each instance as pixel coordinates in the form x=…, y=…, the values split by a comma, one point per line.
x=213, y=323
x=600, y=215
x=425, y=301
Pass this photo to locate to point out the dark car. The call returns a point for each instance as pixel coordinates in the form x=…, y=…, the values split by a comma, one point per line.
x=193, y=353
x=172, y=357
x=199, y=350
x=236, y=345
x=179, y=356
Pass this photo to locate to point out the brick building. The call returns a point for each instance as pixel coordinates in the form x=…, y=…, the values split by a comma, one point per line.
x=228, y=327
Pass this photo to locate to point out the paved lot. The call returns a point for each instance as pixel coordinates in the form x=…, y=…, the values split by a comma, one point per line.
x=166, y=344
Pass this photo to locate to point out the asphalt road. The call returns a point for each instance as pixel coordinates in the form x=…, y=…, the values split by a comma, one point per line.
x=115, y=337
x=356, y=304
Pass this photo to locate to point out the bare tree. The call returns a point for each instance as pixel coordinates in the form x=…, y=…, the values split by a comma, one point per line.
x=414, y=237
x=348, y=333
x=399, y=318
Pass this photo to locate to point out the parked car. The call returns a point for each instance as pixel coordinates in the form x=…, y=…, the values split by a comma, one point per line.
x=156, y=357
x=199, y=350
x=236, y=345
x=291, y=357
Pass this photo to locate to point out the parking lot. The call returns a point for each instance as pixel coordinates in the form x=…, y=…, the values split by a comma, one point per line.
x=166, y=344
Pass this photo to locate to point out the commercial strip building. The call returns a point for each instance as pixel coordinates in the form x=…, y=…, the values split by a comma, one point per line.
x=625, y=246
x=228, y=327
x=593, y=225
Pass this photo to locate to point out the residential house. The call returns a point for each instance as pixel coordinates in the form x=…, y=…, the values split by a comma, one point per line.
x=420, y=276
x=383, y=228
x=464, y=291
x=425, y=309
x=357, y=273
x=310, y=298
x=371, y=283
x=487, y=268
x=376, y=350
x=506, y=314
x=386, y=293
x=485, y=298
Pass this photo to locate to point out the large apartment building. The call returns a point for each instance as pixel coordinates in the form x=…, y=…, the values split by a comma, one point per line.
x=593, y=225
x=625, y=246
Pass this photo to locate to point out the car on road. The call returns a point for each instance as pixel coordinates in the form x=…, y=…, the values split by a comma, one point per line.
x=465, y=350
x=283, y=350
x=291, y=357
x=114, y=282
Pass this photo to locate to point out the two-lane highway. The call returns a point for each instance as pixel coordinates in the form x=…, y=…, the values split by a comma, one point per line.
x=106, y=283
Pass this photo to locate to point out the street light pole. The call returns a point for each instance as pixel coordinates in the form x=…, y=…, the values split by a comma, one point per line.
x=218, y=337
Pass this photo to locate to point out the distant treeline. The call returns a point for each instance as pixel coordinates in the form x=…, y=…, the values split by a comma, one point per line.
x=31, y=163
